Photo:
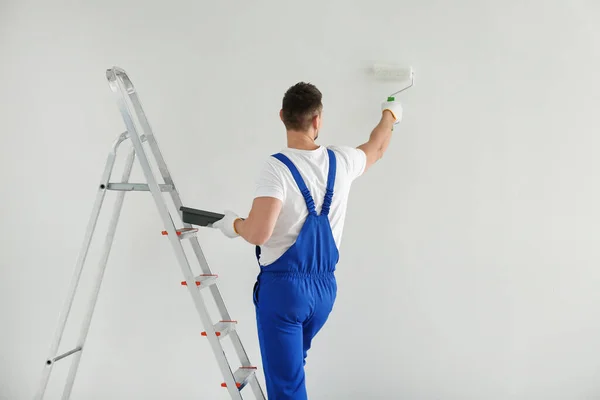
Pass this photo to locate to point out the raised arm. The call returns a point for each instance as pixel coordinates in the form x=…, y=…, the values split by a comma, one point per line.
x=382, y=133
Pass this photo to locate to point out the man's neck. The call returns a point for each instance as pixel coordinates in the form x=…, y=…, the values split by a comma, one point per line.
x=301, y=141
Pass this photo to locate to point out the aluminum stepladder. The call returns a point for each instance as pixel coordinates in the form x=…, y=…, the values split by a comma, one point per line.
x=139, y=131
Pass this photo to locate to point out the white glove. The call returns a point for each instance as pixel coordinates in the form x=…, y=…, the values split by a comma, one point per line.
x=226, y=224
x=395, y=108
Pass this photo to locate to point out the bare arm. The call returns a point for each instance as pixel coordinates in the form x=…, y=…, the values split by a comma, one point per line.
x=258, y=227
x=379, y=139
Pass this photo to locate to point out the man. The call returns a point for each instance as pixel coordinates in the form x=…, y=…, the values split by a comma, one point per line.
x=296, y=223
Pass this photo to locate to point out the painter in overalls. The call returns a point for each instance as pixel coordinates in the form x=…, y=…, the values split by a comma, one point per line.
x=296, y=222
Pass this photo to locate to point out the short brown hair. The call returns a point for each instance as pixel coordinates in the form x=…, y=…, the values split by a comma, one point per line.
x=301, y=103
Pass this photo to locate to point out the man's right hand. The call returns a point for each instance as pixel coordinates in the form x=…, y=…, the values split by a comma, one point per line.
x=395, y=108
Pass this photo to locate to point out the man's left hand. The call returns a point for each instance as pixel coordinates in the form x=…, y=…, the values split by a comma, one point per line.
x=226, y=224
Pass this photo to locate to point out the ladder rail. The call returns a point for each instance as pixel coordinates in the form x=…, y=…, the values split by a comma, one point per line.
x=256, y=388
x=79, y=264
x=205, y=268
x=128, y=90
x=176, y=198
x=124, y=90
x=93, y=299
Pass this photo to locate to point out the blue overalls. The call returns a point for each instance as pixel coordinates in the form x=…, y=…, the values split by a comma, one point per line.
x=294, y=295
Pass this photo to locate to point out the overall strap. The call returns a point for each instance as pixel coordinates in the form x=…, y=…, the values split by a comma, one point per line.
x=310, y=203
x=330, y=183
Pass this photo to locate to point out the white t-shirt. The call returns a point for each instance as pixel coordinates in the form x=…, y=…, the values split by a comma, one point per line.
x=276, y=180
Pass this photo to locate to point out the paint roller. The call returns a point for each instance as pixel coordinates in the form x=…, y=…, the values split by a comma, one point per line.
x=396, y=73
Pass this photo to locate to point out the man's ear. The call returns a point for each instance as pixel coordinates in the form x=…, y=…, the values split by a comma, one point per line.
x=316, y=122
x=281, y=115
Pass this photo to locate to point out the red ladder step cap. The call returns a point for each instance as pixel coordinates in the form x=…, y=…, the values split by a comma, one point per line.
x=180, y=231
x=184, y=283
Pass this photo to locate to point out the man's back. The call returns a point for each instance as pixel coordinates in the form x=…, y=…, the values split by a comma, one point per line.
x=275, y=180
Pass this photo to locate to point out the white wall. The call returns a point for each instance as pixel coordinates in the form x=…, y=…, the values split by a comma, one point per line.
x=469, y=266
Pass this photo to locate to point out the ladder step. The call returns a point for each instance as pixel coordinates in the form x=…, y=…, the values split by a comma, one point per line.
x=135, y=187
x=68, y=353
x=183, y=233
x=222, y=328
x=242, y=376
x=203, y=280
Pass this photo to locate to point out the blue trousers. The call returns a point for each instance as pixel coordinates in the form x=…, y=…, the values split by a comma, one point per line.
x=290, y=311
